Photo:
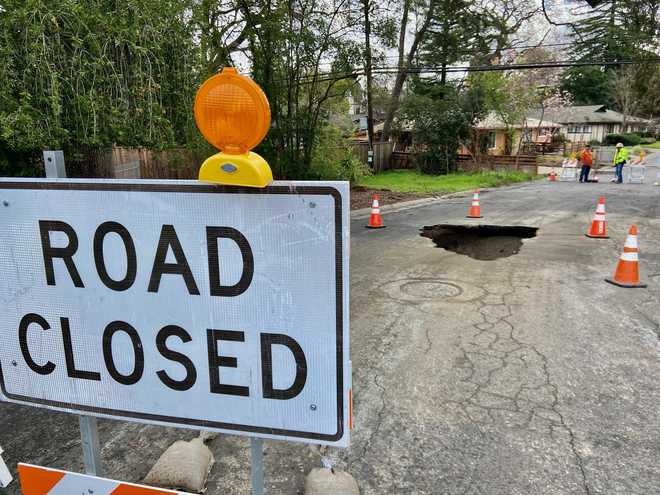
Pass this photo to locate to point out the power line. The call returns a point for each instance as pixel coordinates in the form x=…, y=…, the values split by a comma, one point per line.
x=472, y=52
x=388, y=70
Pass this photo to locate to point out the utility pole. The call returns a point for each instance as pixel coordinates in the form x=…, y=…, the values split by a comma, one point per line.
x=367, y=57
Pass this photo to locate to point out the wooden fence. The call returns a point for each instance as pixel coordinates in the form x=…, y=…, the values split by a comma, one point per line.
x=133, y=163
x=526, y=163
x=141, y=163
x=382, y=154
x=402, y=159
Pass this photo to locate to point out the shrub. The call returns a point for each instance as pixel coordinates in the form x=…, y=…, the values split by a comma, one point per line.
x=333, y=158
x=647, y=140
x=559, y=138
x=628, y=139
x=594, y=142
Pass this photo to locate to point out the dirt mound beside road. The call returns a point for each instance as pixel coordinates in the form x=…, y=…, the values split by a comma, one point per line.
x=361, y=197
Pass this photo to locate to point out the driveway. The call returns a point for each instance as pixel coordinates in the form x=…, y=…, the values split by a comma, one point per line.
x=526, y=374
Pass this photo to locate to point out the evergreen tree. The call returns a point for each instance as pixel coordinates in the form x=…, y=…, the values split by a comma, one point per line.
x=617, y=30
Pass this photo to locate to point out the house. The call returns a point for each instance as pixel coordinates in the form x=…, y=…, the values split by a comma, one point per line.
x=494, y=137
x=402, y=134
x=590, y=123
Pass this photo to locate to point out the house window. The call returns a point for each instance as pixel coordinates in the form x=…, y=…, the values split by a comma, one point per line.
x=586, y=129
x=610, y=128
x=490, y=140
x=574, y=129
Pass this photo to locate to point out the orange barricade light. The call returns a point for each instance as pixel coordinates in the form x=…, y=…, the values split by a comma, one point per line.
x=232, y=113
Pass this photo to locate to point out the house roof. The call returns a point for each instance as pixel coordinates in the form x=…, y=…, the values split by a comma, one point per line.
x=588, y=114
x=405, y=126
x=492, y=121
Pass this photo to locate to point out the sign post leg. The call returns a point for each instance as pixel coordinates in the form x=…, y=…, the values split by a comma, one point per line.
x=89, y=433
x=257, y=466
x=89, y=436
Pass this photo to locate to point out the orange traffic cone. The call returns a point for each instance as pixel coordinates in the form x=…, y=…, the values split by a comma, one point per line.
x=375, y=220
x=627, y=270
x=475, y=209
x=598, y=228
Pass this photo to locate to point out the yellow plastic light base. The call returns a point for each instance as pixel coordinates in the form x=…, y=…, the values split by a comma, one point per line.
x=248, y=169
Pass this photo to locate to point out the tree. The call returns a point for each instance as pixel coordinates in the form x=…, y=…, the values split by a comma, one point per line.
x=647, y=87
x=443, y=116
x=222, y=29
x=289, y=42
x=86, y=75
x=368, y=73
x=452, y=35
x=622, y=92
x=424, y=11
x=587, y=85
x=451, y=31
x=512, y=96
x=616, y=30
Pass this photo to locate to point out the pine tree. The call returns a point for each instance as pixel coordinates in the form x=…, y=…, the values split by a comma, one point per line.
x=617, y=30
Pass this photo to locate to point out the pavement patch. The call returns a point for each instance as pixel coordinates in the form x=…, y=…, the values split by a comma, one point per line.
x=480, y=242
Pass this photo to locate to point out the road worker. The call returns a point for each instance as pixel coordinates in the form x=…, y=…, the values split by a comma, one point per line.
x=586, y=159
x=620, y=159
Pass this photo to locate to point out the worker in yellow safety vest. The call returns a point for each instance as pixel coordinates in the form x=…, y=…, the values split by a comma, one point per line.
x=620, y=159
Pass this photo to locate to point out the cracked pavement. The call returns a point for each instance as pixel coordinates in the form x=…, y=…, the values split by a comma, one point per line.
x=522, y=375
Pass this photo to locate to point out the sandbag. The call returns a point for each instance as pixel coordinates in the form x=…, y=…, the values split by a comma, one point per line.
x=323, y=481
x=183, y=466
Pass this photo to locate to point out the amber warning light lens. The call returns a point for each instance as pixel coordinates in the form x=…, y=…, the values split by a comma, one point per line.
x=232, y=113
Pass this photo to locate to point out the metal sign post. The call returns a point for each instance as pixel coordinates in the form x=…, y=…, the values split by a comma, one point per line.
x=257, y=465
x=89, y=438
x=54, y=164
x=89, y=433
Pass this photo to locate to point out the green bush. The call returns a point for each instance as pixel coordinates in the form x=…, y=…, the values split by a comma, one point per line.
x=20, y=164
x=333, y=158
x=559, y=138
x=628, y=139
x=646, y=134
x=647, y=140
x=594, y=142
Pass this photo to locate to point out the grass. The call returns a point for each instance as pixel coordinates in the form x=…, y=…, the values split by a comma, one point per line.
x=655, y=145
x=414, y=182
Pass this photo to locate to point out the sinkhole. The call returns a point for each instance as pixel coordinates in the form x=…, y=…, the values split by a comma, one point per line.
x=480, y=242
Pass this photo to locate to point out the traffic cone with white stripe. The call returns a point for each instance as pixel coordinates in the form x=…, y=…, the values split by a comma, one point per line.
x=627, y=270
x=375, y=220
x=475, y=208
x=598, y=228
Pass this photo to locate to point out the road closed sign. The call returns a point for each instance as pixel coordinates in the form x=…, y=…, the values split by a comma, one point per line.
x=179, y=303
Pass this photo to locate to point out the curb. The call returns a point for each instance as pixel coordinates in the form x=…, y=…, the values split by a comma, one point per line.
x=418, y=203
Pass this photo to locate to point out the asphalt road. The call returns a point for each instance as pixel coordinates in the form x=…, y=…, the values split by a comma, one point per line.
x=523, y=375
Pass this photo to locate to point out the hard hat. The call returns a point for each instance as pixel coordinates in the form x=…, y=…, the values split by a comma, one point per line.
x=619, y=145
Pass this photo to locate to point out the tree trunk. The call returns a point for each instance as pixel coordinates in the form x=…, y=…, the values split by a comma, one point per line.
x=404, y=63
x=367, y=56
x=393, y=105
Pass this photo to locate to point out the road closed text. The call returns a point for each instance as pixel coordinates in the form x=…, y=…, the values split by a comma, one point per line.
x=170, y=246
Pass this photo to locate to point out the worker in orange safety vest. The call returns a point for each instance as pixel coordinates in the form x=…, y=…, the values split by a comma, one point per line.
x=586, y=159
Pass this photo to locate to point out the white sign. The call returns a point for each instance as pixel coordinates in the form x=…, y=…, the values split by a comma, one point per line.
x=179, y=303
